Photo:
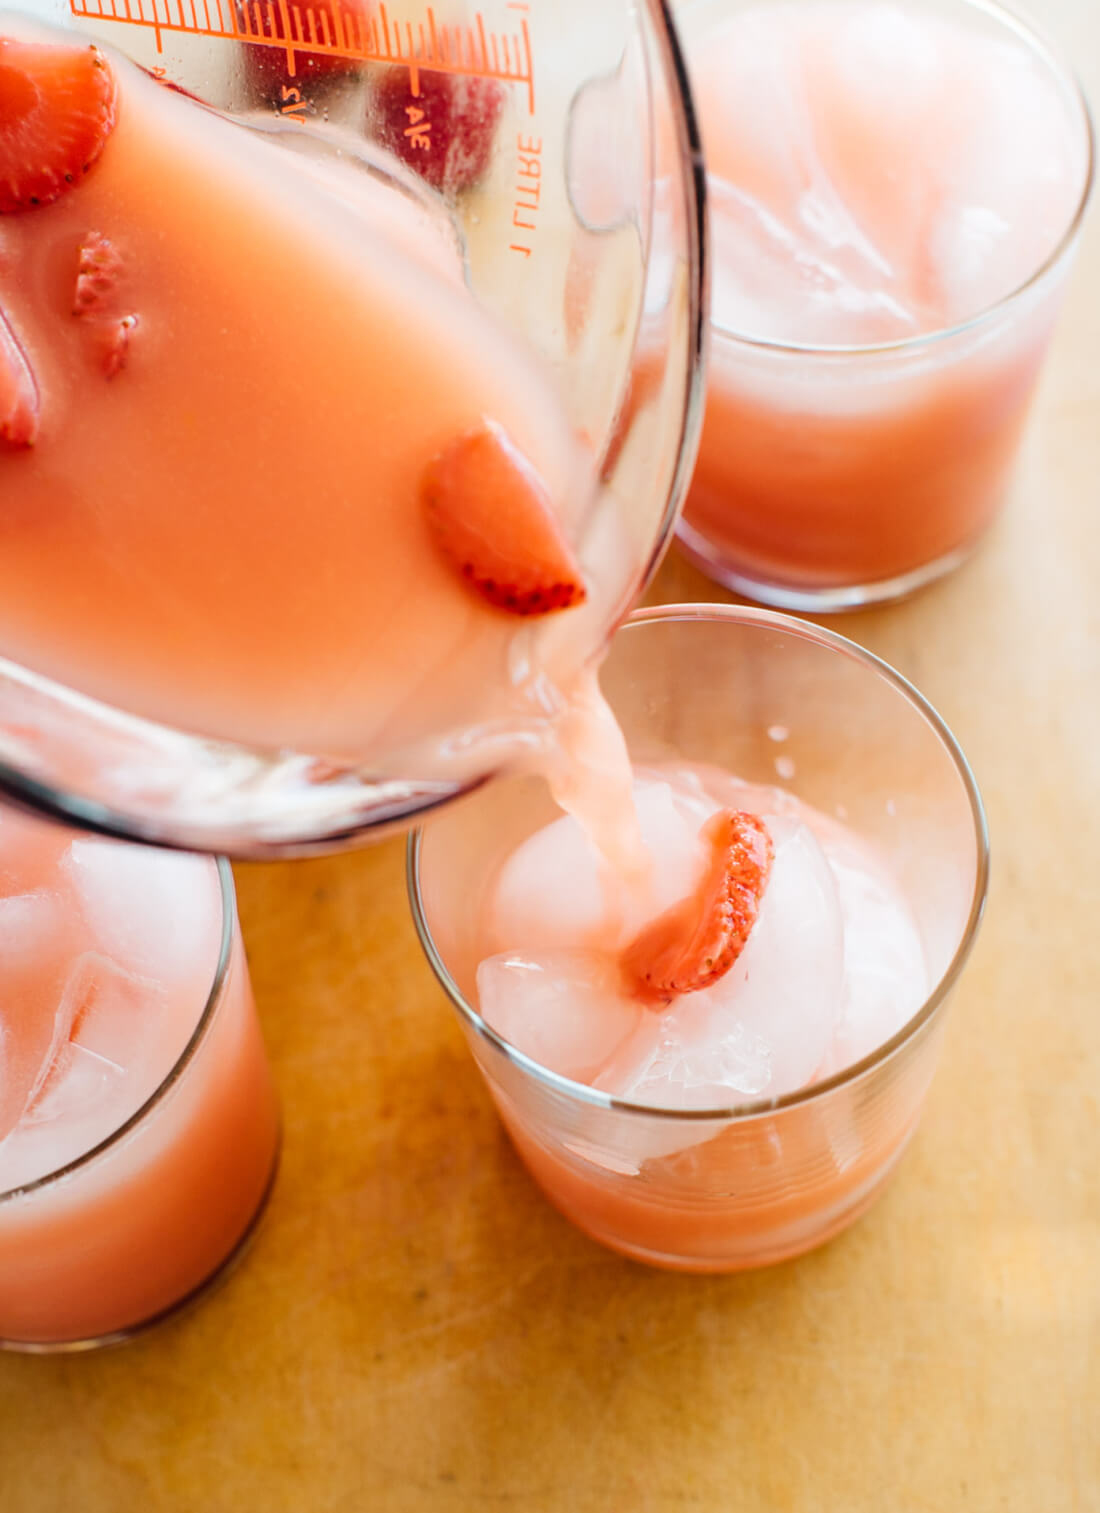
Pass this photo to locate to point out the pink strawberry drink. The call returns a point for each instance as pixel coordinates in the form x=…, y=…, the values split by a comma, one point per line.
x=759, y=947
x=709, y=1020
x=267, y=471
x=713, y=977
x=882, y=173
x=138, y=1126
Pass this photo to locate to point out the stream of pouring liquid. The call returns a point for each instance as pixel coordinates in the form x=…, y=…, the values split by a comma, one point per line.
x=587, y=766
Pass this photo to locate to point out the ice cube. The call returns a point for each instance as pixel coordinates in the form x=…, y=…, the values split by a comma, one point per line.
x=755, y=129
x=550, y=893
x=965, y=244
x=564, y=1009
x=97, y=1074
x=156, y=913
x=80, y=1102
x=687, y=1059
x=1012, y=175
x=796, y=257
x=108, y=1018
x=885, y=976
x=111, y=1020
x=554, y=893
x=776, y=280
x=874, y=78
x=77, y=1081
x=113, y=1011
x=33, y=937
x=785, y=988
x=887, y=66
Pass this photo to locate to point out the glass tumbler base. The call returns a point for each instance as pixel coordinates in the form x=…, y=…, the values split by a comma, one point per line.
x=802, y=598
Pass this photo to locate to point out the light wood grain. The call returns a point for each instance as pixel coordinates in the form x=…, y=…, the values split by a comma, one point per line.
x=415, y=1330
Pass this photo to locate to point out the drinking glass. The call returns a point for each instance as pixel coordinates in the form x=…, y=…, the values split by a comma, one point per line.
x=832, y=476
x=780, y=702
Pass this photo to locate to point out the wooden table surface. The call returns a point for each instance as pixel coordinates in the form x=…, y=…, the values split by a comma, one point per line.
x=415, y=1329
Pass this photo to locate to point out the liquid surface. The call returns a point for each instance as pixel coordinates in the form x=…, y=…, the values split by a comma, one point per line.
x=876, y=171
x=832, y=968
x=107, y=958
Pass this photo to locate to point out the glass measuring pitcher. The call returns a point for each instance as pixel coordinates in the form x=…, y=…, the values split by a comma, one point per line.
x=320, y=243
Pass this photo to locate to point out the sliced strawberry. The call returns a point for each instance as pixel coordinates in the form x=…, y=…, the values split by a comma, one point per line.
x=491, y=516
x=99, y=271
x=445, y=131
x=696, y=942
x=19, y=404
x=57, y=109
x=266, y=66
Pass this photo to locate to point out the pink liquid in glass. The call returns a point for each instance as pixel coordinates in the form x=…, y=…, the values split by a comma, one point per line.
x=114, y=1009
x=832, y=969
x=881, y=173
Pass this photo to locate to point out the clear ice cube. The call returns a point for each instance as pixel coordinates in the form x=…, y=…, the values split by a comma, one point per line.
x=114, y=1012
x=794, y=258
x=885, y=975
x=690, y=1060
x=110, y=1017
x=153, y=912
x=565, y=1009
x=76, y=1082
x=108, y=1022
x=802, y=276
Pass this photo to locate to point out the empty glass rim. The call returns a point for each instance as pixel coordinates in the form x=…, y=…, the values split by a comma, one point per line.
x=580, y=1092
x=1039, y=43
x=228, y=897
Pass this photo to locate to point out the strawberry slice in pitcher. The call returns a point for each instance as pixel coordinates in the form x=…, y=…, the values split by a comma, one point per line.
x=489, y=514
x=57, y=108
x=19, y=404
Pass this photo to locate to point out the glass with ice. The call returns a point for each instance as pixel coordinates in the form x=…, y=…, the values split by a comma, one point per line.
x=138, y=1121
x=896, y=190
x=261, y=291
x=690, y=1110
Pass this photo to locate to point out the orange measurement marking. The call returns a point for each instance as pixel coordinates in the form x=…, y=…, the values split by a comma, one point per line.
x=527, y=193
x=293, y=107
x=329, y=29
